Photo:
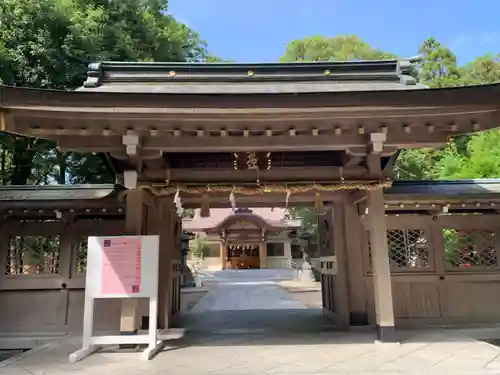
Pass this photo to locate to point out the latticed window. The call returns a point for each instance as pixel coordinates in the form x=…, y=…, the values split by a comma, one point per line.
x=81, y=255
x=408, y=249
x=32, y=255
x=469, y=248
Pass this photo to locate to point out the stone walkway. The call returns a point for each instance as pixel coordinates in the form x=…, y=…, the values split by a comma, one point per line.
x=251, y=326
x=251, y=302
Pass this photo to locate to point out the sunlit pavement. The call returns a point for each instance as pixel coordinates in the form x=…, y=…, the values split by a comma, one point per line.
x=247, y=324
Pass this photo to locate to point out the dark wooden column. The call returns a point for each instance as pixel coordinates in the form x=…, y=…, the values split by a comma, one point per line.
x=130, y=321
x=354, y=253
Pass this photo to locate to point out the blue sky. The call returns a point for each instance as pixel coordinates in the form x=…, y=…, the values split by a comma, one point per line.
x=259, y=30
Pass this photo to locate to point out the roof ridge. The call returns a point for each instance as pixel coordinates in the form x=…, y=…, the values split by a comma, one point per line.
x=326, y=71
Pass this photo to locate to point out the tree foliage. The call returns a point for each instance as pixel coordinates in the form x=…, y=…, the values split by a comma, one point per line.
x=475, y=156
x=439, y=65
x=49, y=43
x=339, y=48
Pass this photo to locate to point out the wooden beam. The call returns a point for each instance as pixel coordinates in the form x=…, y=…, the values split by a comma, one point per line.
x=349, y=160
x=212, y=175
x=357, y=196
x=89, y=143
x=257, y=143
x=363, y=151
x=388, y=168
x=287, y=143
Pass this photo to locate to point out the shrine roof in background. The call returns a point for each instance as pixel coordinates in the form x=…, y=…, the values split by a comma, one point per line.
x=220, y=218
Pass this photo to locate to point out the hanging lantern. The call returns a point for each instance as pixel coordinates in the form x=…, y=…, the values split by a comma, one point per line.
x=205, y=206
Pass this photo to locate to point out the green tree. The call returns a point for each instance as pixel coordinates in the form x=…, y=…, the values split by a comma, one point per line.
x=48, y=44
x=438, y=68
x=439, y=65
x=418, y=164
x=199, y=245
x=483, y=70
x=339, y=48
x=482, y=159
x=476, y=156
x=307, y=216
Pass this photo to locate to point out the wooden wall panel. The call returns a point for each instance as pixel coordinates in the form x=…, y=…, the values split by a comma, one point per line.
x=32, y=312
x=419, y=299
x=415, y=297
x=106, y=315
x=471, y=301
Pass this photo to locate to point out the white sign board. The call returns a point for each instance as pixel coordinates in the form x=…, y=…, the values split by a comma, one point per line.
x=121, y=267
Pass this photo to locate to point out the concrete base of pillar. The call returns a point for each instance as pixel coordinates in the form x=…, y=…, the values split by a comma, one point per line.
x=127, y=346
x=358, y=319
x=386, y=334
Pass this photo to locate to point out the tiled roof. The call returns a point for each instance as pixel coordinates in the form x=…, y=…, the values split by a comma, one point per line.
x=275, y=217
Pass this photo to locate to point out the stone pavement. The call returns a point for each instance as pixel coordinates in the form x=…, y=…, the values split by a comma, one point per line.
x=247, y=326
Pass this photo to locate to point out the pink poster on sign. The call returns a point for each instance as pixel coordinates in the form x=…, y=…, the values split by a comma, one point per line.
x=121, y=266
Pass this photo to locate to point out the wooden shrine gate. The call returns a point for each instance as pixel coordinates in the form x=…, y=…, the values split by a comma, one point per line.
x=201, y=135
x=443, y=256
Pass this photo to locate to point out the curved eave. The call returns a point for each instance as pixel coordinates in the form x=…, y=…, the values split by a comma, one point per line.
x=62, y=115
x=76, y=101
x=461, y=190
x=58, y=196
x=59, y=192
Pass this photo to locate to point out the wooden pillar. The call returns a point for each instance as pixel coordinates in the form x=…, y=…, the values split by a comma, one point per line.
x=176, y=257
x=165, y=270
x=223, y=254
x=353, y=226
x=262, y=254
x=66, y=259
x=129, y=321
x=4, y=247
x=384, y=309
x=171, y=244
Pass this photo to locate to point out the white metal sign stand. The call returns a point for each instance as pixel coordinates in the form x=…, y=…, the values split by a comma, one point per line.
x=121, y=267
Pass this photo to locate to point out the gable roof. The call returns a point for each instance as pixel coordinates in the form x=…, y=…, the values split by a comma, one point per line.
x=274, y=217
